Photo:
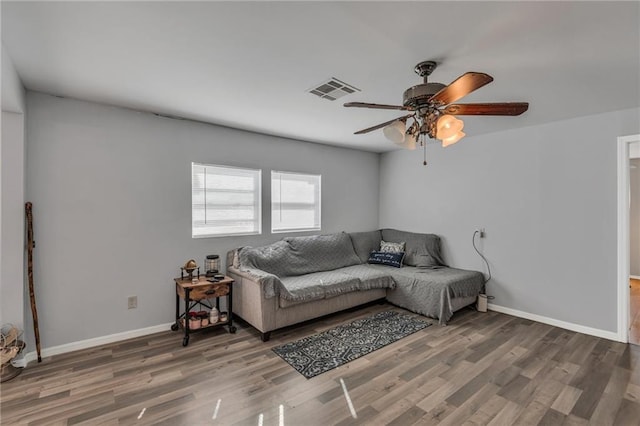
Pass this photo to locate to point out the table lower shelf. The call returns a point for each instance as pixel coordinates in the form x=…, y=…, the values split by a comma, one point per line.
x=181, y=326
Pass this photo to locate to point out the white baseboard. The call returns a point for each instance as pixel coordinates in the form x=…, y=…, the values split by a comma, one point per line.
x=611, y=335
x=111, y=338
x=635, y=277
x=96, y=341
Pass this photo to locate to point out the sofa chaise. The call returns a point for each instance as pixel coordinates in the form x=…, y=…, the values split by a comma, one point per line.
x=301, y=278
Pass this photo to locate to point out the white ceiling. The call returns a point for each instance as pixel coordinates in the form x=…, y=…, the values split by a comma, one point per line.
x=248, y=64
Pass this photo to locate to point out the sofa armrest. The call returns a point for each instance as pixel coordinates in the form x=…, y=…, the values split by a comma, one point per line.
x=268, y=282
x=250, y=300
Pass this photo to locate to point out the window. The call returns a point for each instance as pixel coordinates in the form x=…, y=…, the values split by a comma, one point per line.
x=295, y=202
x=224, y=201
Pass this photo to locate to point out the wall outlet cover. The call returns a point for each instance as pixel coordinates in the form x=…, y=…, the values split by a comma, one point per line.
x=132, y=302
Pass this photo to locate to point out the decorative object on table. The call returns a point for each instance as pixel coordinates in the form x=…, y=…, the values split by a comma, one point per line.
x=212, y=265
x=223, y=317
x=204, y=318
x=189, y=267
x=10, y=347
x=194, y=321
x=325, y=351
x=31, y=244
x=214, y=315
x=216, y=278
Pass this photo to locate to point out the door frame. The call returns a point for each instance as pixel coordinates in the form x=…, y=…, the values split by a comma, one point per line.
x=623, y=235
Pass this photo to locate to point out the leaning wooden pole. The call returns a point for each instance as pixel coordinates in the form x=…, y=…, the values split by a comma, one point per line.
x=32, y=296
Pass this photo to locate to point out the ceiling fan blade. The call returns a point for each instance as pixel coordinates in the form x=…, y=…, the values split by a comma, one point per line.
x=462, y=86
x=381, y=125
x=377, y=106
x=505, y=108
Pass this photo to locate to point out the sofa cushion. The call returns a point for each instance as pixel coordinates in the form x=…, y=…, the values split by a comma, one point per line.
x=316, y=285
x=370, y=277
x=425, y=260
x=320, y=253
x=421, y=250
x=328, y=284
x=365, y=242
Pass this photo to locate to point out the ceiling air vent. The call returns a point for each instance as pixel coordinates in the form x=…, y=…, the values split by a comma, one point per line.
x=333, y=89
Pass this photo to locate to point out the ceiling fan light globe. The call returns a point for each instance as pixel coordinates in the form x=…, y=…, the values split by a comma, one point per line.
x=447, y=126
x=453, y=139
x=410, y=142
x=395, y=132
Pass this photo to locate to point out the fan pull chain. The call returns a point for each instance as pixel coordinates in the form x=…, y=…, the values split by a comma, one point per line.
x=424, y=162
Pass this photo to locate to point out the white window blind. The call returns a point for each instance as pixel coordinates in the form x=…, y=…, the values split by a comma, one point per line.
x=295, y=202
x=225, y=201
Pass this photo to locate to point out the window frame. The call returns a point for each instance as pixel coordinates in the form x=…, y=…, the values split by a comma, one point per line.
x=257, y=175
x=317, y=203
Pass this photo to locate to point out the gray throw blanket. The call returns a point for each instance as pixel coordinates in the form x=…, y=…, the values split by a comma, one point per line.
x=327, y=284
x=302, y=269
x=269, y=282
x=429, y=291
x=320, y=285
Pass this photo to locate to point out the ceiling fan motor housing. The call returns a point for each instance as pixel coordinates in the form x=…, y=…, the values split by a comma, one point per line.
x=420, y=94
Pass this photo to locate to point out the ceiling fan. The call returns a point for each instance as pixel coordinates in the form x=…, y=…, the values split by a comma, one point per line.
x=433, y=111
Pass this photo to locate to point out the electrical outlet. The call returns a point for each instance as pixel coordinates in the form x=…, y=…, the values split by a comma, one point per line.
x=132, y=302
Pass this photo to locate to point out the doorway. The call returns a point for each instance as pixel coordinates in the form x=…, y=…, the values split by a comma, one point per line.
x=634, y=243
x=629, y=239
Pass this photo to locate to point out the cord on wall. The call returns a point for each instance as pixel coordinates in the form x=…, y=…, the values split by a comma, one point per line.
x=473, y=241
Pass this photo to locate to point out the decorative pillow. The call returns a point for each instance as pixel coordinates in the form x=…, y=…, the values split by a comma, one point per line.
x=386, y=258
x=388, y=247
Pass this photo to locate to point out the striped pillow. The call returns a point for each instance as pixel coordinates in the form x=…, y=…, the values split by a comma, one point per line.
x=387, y=247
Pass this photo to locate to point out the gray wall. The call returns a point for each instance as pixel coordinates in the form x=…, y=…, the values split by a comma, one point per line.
x=12, y=189
x=111, y=193
x=547, y=198
x=634, y=218
x=13, y=93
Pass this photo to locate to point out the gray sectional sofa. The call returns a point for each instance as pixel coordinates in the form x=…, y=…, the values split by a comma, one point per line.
x=301, y=278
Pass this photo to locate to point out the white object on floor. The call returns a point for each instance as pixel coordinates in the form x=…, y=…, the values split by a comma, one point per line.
x=348, y=398
x=482, y=303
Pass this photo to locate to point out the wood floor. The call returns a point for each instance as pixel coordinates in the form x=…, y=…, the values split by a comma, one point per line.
x=634, y=304
x=484, y=368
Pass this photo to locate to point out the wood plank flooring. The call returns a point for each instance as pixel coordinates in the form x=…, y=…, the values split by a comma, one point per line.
x=482, y=369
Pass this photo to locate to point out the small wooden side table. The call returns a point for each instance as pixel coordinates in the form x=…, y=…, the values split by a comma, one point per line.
x=200, y=294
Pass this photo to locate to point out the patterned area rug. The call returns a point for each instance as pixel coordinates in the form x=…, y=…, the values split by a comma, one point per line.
x=322, y=352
